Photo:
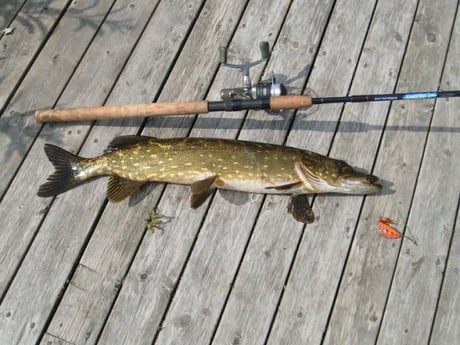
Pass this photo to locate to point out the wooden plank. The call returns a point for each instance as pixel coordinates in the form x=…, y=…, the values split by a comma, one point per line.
x=447, y=313
x=142, y=301
x=445, y=330
x=31, y=29
x=54, y=251
x=261, y=278
x=50, y=73
x=13, y=250
x=199, y=61
x=264, y=248
x=413, y=297
x=8, y=11
x=261, y=21
x=256, y=291
x=216, y=219
x=311, y=288
x=367, y=277
x=93, y=287
x=208, y=276
x=17, y=133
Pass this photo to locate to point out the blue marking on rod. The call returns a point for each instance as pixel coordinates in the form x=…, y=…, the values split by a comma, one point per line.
x=420, y=95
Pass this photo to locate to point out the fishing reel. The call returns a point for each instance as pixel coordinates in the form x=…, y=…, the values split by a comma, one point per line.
x=262, y=90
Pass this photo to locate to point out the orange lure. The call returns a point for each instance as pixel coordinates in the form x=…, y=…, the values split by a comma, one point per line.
x=386, y=228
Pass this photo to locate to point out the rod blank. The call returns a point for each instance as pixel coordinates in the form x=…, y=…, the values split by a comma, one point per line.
x=386, y=97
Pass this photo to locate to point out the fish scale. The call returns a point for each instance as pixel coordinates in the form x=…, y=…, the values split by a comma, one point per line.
x=187, y=160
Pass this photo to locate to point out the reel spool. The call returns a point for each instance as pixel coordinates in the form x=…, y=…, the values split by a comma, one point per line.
x=262, y=90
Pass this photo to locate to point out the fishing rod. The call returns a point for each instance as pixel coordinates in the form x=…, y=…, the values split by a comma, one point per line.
x=265, y=95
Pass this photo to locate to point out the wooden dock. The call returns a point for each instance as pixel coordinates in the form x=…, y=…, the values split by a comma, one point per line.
x=77, y=269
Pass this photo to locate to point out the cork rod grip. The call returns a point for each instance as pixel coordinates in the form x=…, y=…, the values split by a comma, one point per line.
x=121, y=111
x=290, y=102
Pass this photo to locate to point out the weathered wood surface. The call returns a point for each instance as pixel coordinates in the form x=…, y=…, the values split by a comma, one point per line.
x=8, y=11
x=225, y=234
x=444, y=124
x=361, y=300
x=444, y=328
x=32, y=26
x=46, y=254
x=413, y=298
x=240, y=270
x=51, y=70
x=311, y=286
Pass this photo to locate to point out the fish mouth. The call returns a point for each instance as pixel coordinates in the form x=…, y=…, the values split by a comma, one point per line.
x=349, y=182
x=359, y=183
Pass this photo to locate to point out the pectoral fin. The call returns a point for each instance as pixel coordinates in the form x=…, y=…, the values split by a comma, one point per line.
x=300, y=209
x=201, y=190
x=286, y=186
x=119, y=188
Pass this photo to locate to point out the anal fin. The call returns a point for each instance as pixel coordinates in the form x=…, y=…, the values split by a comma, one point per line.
x=201, y=190
x=119, y=188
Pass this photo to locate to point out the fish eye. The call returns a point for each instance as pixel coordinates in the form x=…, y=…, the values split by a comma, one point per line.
x=341, y=164
x=344, y=167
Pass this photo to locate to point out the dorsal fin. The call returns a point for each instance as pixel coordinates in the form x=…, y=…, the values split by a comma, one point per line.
x=125, y=141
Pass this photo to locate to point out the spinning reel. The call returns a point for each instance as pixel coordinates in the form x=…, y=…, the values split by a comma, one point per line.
x=262, y=90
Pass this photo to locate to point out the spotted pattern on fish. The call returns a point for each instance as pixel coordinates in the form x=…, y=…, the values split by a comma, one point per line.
x=206, y=164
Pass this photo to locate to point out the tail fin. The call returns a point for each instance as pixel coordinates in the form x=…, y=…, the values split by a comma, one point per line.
x=63, y=178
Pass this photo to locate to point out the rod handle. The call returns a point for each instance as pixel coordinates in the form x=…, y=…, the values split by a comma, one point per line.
x=121, y=111
x=290, y=102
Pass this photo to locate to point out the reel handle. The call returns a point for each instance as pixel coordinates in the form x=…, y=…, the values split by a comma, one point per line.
x=264, y=47
x=263, y=89
x=223, y=55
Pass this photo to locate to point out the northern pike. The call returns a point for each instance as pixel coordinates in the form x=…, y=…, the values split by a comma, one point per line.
x=206, y=164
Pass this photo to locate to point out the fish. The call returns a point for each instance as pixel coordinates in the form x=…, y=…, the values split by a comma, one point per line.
x=206, y=164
